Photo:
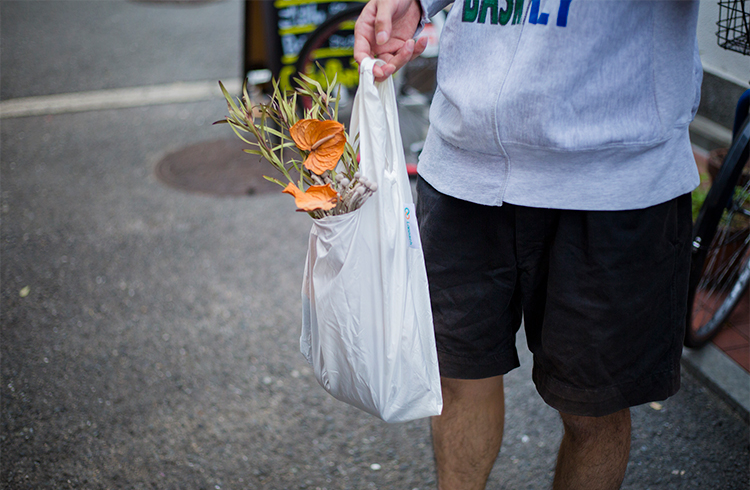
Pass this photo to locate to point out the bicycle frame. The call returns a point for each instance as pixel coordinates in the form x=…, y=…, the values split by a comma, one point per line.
x=721, y=191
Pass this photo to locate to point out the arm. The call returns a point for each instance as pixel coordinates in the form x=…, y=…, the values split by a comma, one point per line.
x=385, y=30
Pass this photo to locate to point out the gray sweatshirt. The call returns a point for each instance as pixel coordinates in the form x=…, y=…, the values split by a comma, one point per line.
x=569, y=104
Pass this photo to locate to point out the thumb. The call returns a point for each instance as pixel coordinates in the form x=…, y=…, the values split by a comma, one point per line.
x=383, y=21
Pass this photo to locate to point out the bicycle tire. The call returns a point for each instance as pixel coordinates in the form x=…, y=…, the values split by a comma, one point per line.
x=306, y=58
x=720, y=272
x=415, y=84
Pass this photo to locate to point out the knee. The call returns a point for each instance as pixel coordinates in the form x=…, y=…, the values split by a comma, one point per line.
x=614, y=426
x=472, y=389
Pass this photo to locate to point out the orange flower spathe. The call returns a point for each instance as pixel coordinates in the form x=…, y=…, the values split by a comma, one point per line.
x=316, y=197
x=325, y=140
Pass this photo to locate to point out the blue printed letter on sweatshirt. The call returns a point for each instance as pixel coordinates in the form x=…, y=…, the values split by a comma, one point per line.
x=538, y=17
x=562, y=14
x=534, y=16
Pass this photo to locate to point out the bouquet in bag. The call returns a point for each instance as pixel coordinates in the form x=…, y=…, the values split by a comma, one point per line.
x=313, y=152
x=366, y=318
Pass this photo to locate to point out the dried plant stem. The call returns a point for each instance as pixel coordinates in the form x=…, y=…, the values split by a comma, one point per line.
x=269, y=125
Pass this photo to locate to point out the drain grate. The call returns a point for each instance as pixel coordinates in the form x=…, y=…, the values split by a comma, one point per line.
x=219, y=168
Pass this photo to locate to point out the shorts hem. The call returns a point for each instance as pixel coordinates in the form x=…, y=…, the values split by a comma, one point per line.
x=459, y=367
x=599, y=402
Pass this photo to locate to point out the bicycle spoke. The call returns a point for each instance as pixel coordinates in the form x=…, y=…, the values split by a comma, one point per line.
x=726, y=269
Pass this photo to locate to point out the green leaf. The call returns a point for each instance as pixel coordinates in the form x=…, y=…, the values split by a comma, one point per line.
x=336, y=105
x=275, y=133
x=312, y=81
x=228, y=97
x=246, y=96
x=239, y=125
x=302, y=86
x=275, y=181
x=332, y=84
x=241, y=136
x=288, y=144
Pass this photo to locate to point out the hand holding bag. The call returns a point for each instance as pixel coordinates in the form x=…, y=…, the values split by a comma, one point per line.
x=367, y=324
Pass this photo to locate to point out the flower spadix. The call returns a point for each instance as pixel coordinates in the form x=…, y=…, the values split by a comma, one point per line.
x=325, y=140
x=314, y=198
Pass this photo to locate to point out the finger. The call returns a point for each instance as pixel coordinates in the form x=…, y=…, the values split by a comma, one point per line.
x=382, y=72
x=395, y=62
x=383, y=21
x=377, y=72
x=364, y=29
x=401, y=57
x=419, y=47
x=362, y=48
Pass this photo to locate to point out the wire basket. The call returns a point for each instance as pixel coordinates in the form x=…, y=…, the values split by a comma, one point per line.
x=734, y=18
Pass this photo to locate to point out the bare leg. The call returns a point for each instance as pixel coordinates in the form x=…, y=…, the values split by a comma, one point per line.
x=594, y=452
x=467, y=435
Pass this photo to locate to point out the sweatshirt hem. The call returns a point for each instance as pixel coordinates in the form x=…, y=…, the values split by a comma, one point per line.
x=615, y=178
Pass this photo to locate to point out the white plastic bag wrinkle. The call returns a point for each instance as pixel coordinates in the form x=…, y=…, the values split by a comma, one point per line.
x=366, y=319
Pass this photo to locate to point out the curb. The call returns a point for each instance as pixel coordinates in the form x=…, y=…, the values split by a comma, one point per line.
x=722, y=375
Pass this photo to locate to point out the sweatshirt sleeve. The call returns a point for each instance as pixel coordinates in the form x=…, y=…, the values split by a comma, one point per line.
x=430, y=8
x=698, y=79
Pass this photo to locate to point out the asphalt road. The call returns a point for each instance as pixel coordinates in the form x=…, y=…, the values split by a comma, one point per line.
x=150, y=335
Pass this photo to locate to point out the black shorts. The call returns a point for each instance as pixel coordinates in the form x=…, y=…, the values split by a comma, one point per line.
x=603, y=296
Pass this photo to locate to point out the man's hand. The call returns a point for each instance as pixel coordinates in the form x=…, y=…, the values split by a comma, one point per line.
x=384, y=30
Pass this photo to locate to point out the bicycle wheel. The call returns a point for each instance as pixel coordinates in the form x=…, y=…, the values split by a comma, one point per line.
x=720, y=272
x=328, y=51
x=330, y=48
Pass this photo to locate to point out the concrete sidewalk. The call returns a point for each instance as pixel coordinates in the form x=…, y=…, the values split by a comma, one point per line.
x=150, y=336
x=727, y=379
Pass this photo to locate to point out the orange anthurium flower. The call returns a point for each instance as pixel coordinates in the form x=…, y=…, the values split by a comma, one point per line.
x=325, y=140
x=316, y=197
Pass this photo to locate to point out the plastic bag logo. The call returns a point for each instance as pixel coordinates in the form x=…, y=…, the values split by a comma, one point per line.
x=412, y=233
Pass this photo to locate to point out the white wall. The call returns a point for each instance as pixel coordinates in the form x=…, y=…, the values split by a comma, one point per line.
x=729, y=65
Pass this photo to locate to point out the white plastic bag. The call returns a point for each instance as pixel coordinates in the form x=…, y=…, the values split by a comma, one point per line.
x=367, y=324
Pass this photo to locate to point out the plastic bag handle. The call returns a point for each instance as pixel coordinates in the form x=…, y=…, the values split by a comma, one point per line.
x=385, y=93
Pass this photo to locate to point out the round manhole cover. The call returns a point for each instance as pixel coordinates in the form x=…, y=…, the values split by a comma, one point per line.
x=217, y=167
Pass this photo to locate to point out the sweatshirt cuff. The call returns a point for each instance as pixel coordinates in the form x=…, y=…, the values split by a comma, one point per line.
x=430, y=8
x=422, y=21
